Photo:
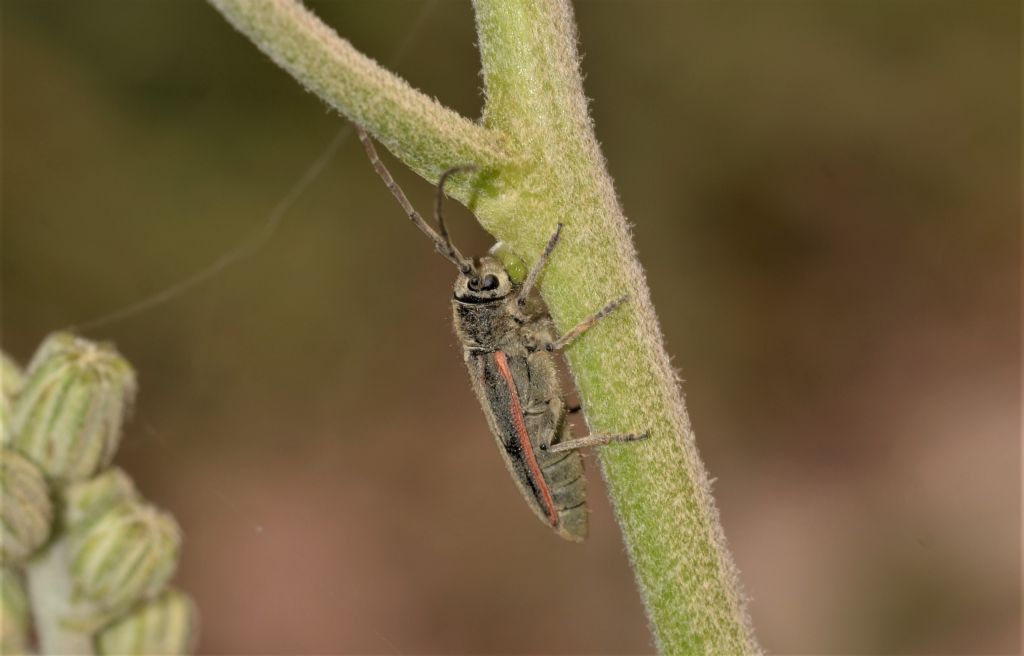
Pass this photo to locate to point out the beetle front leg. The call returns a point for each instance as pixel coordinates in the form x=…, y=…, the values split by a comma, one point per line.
x=538, y=267
x=585, y=325
x=591, y=440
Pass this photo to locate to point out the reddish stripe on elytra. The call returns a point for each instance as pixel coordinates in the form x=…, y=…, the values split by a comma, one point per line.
x=524, y=437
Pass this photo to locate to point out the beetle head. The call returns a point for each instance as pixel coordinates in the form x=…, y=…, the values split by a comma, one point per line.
x=486, y=282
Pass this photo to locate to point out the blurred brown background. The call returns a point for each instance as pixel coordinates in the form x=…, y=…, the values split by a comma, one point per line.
x=826, y=198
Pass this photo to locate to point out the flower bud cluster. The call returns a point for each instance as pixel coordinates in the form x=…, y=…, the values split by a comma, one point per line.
x=61, y=424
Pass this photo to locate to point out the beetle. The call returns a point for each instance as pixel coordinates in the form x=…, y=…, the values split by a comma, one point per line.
x=508, y=343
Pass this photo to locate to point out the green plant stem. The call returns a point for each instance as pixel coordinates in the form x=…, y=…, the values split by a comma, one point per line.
x=49, y=589
x=553, y=172
x=414, y=126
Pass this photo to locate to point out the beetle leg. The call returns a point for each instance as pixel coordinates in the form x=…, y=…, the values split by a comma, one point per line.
x=591, y=440
x=539, y=336
x=538, y=266
x=585, y=325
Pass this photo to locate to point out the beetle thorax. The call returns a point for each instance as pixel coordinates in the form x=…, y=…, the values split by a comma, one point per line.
x=480, y=304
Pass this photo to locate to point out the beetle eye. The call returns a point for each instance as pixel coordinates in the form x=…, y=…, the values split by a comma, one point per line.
x=489, y=283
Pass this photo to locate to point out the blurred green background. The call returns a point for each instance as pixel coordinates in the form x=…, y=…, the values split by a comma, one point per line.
x=825, y=194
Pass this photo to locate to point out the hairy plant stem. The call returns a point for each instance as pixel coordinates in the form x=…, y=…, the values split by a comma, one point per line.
x=412, y=125
x=541, y=166
x=49, y=589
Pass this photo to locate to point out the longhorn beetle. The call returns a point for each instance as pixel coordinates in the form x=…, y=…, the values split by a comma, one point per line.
x=508, y=339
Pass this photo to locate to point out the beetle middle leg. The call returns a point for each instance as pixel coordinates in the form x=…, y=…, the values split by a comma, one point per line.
x=585, y=325
x=591, y=440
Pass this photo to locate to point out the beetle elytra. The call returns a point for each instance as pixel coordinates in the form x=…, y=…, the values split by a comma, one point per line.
x=508, y=340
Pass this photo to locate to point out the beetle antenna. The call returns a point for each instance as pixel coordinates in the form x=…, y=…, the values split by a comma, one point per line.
x=466, y=265
x=442, y=244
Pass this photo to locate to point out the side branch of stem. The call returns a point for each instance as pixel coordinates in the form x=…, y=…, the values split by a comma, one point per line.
x=416, y=128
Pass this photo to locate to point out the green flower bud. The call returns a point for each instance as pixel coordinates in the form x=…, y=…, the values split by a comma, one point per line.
x=26, y=512
x=88, y=500
x=10, y=385
x=14, y=613
x=166, y=625
x=514, y=265
x=68, y=415
x=126, y=555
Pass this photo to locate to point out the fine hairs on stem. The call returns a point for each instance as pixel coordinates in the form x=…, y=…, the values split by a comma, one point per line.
x=540, y=165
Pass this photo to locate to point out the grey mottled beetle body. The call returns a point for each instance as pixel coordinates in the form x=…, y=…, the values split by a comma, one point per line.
x=516, y=381
x=508, y=340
